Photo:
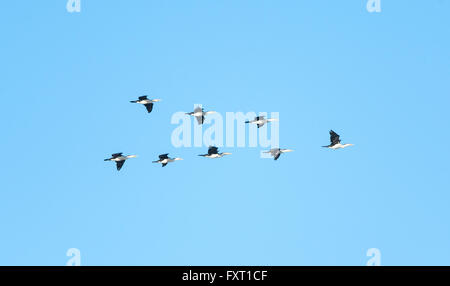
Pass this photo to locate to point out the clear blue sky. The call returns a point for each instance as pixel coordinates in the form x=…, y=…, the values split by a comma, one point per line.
x=381, y=80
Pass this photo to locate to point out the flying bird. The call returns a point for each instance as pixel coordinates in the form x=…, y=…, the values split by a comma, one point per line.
x=336, y=142
x=148, y=103
x=276, y=152
x=164, y=159
x=119, y=159
x=261, y=120
x=213, y=152
x=200, y=114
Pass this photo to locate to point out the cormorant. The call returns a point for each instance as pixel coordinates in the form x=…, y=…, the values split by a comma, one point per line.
x=164, y=159
x=213, y=152
x=119, y=159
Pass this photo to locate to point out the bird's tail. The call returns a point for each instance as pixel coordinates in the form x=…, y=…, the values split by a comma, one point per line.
x=247, y=121
x=325, y=146
x=107, y=160
x=133, y=101
x=155, y=162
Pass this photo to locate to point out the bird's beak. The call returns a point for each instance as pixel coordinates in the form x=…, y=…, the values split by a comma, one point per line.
x=132, y=156
x=288, y=150
x=272, y=119
x=178, y=159
x=156, y=100
x=226, y=153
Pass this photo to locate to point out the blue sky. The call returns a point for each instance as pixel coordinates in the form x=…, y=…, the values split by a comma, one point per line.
x=381, y=80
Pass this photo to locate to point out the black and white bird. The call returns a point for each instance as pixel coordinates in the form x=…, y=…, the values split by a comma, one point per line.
x=200, y=114
x=148, y=103
x=213, y=152
x=119, y=159
x=164, y=159
x=336, y=142
x=261, y=120
x=276, y=152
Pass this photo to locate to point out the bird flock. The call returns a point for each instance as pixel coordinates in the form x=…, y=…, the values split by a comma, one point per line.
x=213, y=152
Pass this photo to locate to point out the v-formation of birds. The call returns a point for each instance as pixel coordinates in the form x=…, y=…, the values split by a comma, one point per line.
x=213, y=151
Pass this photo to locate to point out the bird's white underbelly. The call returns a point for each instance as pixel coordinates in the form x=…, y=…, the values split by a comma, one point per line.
x=258, y=121
x=337, y=146
x=145, y=101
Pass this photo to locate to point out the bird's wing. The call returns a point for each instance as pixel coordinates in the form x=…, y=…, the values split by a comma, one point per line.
x=274, y=151
x=200, y=119
x=120, y=164
x=198, y=109
x=163, y=156
x=213, y=150
x=149, y=107
x=334, y=137
x=143, y=97
x=164, y=164
x=277, y=155
x=260, y=125
x=115, y=155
